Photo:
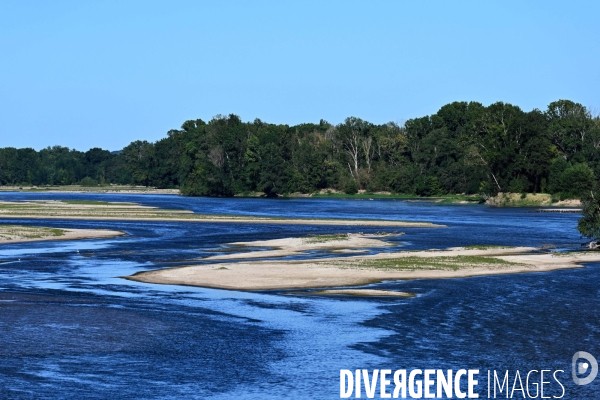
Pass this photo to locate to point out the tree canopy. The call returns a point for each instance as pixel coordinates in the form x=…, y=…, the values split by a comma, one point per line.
x=465, y=147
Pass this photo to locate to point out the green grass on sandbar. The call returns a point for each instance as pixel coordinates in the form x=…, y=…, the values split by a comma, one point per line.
x=412, y=263
x=326, y=238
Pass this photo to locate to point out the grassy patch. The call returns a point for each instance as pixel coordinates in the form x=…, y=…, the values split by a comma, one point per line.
x=17, y=206
x=15, y=232
x=55, y=231
x=429, y=263
x=572, y=253
x=326, y=238
x=457, y=198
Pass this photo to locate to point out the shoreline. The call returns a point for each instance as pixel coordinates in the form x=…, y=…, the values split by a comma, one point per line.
x=355, y=271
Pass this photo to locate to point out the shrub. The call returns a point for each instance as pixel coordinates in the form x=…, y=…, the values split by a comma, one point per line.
x=87, y=181
x=427, y=186
x=351, y=187
x=577, y=180
x=517, y=185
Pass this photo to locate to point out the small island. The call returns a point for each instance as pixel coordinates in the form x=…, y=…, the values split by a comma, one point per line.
x=123, y=211
x=27, y=233
x=239, y=272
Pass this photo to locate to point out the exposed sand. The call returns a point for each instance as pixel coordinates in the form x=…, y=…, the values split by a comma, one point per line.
x=111, y=189
x=136, y=212
x=293, y=246
x=22, y=233
x=361, y=270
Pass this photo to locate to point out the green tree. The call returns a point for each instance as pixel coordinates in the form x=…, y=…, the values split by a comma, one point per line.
x=356, y=141
x=589, y=223
x=138, y=156
x=351, y=187
x=569, y=125
x=272, y=171
x=577, y=180
x=87, y=181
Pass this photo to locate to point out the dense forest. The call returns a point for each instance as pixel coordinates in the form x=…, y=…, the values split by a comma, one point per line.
x=463, y=148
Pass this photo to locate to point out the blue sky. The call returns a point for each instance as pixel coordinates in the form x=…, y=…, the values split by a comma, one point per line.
x=88, y=74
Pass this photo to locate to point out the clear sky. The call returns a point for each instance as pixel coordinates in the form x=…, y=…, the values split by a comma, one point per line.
x=88, y=74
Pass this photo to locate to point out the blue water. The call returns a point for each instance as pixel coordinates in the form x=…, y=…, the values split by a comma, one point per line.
x=70, y=327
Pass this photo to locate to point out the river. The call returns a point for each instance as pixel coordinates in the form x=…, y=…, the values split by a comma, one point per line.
x=71, y=327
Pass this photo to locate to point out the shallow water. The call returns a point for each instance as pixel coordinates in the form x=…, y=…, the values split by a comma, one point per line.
x=71, y=327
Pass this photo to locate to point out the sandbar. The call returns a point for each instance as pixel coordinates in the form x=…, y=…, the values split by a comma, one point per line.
x=98, y=210
x=109, y=189
x=348, y=242
x=361, y=270
x=27, y=233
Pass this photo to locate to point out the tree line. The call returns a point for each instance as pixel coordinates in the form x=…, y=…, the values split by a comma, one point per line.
x=465, y=147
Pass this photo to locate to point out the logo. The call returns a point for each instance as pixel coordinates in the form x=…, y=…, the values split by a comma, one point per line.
x=582, y=367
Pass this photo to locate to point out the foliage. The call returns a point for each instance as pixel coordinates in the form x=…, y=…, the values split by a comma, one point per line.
x=464, y=148
x=87, y=181
x=326, y=238
x=19, y=232
x=413, y=263
x=589, y=223
x=351, y=187
x=577, y=180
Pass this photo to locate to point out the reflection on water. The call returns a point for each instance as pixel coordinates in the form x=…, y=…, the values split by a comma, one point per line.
x=71, y=327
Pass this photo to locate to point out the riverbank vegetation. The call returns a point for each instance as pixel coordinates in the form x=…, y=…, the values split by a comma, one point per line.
x=452, y=263
x=464, y=148
x=17, y=232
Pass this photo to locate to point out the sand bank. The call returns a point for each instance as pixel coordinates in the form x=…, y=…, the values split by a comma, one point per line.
x=98, y=210
x=109, y=189
x=294, y=246
x=26, y=233
x=361, y=270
